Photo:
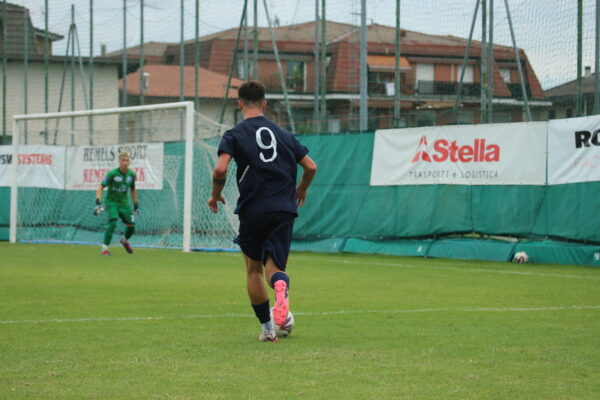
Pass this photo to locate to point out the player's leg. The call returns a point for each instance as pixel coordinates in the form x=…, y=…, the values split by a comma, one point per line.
x=113, y=214
x=126, y=215
x=259, y=299
x=277, y=252
x=250, y=241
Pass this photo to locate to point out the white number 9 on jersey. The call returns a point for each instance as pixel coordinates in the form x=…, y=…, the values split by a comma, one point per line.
x=272, y=145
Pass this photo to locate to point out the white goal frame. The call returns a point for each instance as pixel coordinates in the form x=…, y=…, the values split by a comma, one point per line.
x=186, y=106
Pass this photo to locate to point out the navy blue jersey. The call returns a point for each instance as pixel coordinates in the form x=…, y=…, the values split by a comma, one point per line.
x=266, y=157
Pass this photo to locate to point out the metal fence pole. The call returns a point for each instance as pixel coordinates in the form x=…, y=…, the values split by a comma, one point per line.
x=397, y=71
x=578, y=98
x=181, y=55
x=317, y=72
x=490, y=66
x=4, y=66
x=124, y=58
x=142, y=78
x=597, y=62
x=483, y=63
x=363, y=111
x=518, y=60
x=323, y=64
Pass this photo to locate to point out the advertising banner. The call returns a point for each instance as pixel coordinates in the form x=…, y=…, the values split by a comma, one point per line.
x=87, y=165
x=494, y=154
x=38, y=166
x=574, y=150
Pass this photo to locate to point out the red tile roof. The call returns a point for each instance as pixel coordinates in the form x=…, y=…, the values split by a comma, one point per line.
x=164, y=82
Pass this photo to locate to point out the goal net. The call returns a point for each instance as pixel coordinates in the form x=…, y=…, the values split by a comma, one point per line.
x=61, y=159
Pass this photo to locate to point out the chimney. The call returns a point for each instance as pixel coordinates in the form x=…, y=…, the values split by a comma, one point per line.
x=588, y=71
x=145, y=81
x=102, y=50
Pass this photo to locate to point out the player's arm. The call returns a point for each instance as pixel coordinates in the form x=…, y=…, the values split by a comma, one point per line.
x=99, y=208
x=134, y=198
x=309, y=169
x=218, y=182
x=99, y=194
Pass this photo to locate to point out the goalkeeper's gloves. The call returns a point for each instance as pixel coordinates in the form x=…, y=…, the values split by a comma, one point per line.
x=136, y=208
x=99, y=207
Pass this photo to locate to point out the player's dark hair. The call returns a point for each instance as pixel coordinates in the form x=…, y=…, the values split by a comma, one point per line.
x=252, y=92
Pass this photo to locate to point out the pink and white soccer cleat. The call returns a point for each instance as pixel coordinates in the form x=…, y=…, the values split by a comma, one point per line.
x=105, y=253
x=282, y=304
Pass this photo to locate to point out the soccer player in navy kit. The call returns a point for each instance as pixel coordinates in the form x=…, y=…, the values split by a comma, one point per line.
x=266, y=157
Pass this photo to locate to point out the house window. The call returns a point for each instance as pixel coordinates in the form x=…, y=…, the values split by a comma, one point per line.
x=468, y=78
x=552, y=114
x=241, y=71
x=382, y=83
x=505, y=73
x=424, y=73
x=569, y=112
x=295, y=75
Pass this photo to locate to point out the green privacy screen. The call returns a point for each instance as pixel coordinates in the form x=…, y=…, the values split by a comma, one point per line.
x=343, y=213
x=342, y=205
x=4, y=212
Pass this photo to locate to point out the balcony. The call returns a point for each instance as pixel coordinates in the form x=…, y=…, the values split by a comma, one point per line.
x=447, y=88
x=440, y=88
x=516, y=92
x=424, y=88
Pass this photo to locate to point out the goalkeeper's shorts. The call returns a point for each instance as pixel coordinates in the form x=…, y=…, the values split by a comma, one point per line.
x=120, y=210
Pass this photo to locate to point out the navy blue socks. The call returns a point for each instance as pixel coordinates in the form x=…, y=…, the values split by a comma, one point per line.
x=280, y=276
x=262, y=312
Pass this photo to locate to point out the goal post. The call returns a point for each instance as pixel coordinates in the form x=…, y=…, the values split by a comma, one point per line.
x=174, y=146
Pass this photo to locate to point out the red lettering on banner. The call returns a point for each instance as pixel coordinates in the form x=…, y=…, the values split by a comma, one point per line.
x=478, y=152
x=140, y=174
x=92, y=175
x=35, y=159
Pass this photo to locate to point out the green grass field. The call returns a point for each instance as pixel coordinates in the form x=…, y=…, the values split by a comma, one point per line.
x=160, y=324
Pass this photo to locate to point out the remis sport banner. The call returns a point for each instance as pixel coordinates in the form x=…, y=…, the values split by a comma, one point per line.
x=574, y=150
x=38, y=166
x=87, y=165
x=494, y=154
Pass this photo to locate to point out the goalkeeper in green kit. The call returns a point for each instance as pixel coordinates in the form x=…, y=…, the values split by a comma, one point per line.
x=117, y=205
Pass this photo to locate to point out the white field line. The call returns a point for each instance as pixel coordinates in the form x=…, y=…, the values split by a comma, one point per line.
x=299, y=313
x=459, y=269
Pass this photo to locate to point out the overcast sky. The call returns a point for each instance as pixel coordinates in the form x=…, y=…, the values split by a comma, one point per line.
x=546, y=29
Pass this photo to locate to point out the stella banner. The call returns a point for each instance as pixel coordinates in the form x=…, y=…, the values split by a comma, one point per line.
x=494, y=154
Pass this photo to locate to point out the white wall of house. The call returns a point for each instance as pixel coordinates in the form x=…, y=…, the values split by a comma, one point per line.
x=106, y=94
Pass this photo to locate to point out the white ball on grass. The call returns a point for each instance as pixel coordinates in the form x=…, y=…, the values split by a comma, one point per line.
x=285, y=329
x=521, y=257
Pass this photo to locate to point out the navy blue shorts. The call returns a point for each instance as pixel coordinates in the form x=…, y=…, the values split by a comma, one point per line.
x=262, y=234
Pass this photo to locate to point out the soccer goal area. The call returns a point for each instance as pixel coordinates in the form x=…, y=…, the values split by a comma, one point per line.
x=57, y=161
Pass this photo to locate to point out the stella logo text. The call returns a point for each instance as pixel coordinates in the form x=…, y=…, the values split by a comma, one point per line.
x=444, y=150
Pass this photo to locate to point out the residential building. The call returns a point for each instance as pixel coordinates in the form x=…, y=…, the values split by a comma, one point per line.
x=26, y=78
x=430, y=69
x=564, y=97
x=161, y=84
